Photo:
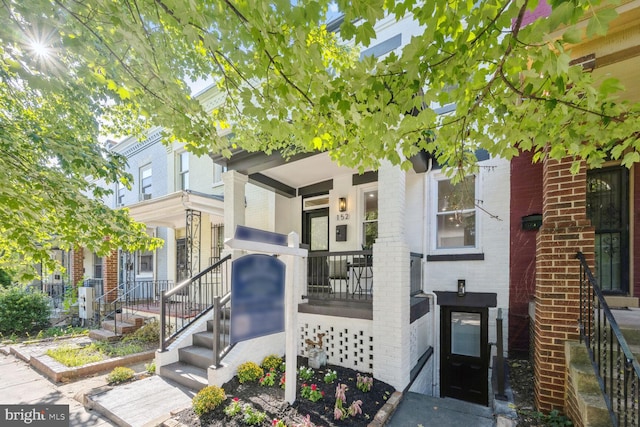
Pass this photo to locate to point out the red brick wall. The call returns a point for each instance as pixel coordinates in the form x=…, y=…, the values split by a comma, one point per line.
x=564, y=231
x=110, y=275
x=77, y=265
x=526, y=199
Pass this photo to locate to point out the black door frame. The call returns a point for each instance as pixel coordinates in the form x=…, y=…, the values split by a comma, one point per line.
x=474, y=302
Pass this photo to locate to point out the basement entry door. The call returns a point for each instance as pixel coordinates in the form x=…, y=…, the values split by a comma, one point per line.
x=464, y=354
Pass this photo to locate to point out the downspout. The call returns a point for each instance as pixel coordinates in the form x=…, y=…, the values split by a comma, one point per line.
x=435, y=324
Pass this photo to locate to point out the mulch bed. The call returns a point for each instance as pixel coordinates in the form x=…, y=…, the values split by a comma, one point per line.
x=271, y=401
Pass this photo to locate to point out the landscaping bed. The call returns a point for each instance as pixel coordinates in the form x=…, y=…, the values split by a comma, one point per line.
x=270, y=400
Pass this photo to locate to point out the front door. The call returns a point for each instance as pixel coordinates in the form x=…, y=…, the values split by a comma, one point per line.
x=607, y=208
x=182, y=272
x=464, y=354
x=315, y=233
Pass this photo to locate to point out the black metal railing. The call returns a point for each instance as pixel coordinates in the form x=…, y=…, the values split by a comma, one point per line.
x=131, y=295
x=616, y=368
x=340, y=275
x=221, y=328
x=192, y=299
x=415, y=272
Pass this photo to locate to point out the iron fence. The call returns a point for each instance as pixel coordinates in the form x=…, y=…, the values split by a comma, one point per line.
x=616, y=368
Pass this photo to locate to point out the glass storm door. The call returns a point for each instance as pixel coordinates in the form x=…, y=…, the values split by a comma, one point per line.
x=464, y=354
x=607, y=208
x=315, y=233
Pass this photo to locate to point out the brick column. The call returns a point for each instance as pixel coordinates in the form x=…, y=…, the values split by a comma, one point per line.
x=565, y=230
x=391, y=282
x=77, y=265
x=110, y=275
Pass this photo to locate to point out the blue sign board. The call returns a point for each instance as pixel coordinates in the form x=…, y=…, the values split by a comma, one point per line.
x=257, y=297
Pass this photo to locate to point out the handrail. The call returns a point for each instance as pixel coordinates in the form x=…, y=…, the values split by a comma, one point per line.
x=190, y=280
x=192, y=299
x=615, y=366
x=221, y=338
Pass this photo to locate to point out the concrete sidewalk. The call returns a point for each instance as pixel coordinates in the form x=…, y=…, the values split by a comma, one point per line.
x=420, y=410
x=20, y=384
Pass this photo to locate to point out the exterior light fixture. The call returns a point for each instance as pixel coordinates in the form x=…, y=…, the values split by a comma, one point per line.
x=342, y=204
x=462, y=285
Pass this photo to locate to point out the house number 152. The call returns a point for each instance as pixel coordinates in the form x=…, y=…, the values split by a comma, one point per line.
x=342, y=217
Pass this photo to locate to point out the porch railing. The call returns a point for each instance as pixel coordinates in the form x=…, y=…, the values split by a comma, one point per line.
x=192, y=299
x=340, y=275
x=415, y=272
x=616, y=368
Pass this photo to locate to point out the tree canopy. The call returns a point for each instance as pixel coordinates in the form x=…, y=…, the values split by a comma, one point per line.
x=72, y=69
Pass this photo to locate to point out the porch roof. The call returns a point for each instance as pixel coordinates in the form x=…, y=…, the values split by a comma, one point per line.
x=169, y=210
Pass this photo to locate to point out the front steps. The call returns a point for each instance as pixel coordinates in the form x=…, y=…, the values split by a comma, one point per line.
x=582, y=383
x=112, y=330
x=194, y=360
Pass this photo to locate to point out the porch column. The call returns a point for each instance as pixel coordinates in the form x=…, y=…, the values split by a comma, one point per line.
x=565, y=230
x=391, y=285
x=110, y=275
x=77, y=265
x=234, y=201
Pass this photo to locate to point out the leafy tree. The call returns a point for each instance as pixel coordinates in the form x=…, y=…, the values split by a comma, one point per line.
x=289, y=84
x=5, y=279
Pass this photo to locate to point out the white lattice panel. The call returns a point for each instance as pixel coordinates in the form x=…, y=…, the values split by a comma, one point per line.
x=348, y=342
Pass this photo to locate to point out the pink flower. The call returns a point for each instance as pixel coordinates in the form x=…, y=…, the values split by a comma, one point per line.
x=322, y=393
x=314, y=387
x=274, y=422
x=235, y=399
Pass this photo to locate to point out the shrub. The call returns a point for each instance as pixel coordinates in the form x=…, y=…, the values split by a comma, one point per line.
x=148, y=333
x=305, y=373
x=150, y=367
x=5, y=279
x=120, y=375
x=272, y=361
x=22, y=311
x=207, y=399
x=249, y=371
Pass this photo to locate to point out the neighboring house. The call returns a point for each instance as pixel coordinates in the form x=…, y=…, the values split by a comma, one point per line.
x=594, y=211
x=178, y=196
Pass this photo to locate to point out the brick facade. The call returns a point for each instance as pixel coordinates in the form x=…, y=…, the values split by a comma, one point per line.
x=77, y=265
x=564, y=231
x=526, y=199
x=110, y=275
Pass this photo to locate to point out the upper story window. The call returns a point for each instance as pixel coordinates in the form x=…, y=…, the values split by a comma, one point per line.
x=456, y=214
x=120, y=194
x=370, y=218
x=218, y=170
x=184, y=170
x=146, y=182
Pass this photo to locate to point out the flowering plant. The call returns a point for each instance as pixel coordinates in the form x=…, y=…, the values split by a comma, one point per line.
x=233, y=408
x=269, y=379
x=305, y=373
x=330, y=377
x=306, y=422
x=278, y=423
x=364, y=383
x=283, y=380
x=339, y=411
x=311, y=392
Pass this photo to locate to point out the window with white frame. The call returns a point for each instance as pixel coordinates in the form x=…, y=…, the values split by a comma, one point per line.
x=146, y=182
x=456, y=213
x=184, y=170
x=370, y=218
x=120, y=194
x=145, y=262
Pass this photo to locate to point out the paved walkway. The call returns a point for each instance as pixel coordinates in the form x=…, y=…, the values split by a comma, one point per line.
x=419, y=410
x=20, y=384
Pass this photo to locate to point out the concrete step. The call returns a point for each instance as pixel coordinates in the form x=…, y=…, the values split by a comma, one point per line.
x=132, y=319
x=103, y=335
x=185, y=374
x=201, y=357
x=203, y=339
x=119, y=328
x=225, y=326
